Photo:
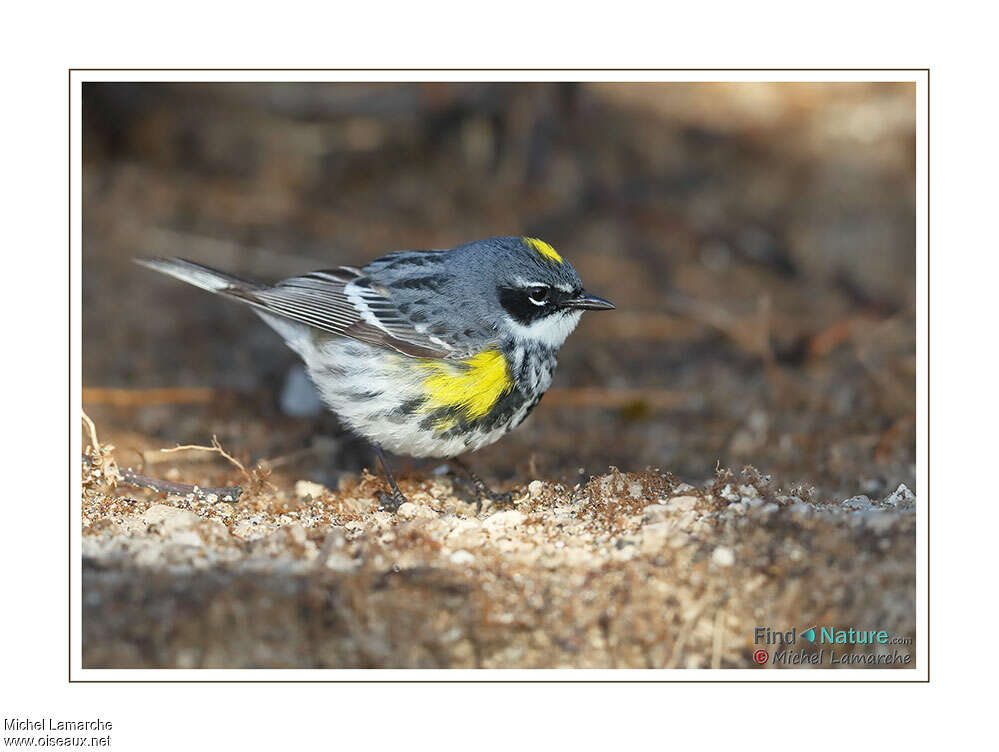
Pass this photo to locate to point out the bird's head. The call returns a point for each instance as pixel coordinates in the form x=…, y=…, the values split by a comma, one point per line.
x=540, y=295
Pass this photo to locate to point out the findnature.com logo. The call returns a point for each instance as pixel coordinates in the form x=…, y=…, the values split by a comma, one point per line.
x=784, y=642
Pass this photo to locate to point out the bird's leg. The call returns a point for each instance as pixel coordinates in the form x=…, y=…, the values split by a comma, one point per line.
x=396, y=499
x=482, y=491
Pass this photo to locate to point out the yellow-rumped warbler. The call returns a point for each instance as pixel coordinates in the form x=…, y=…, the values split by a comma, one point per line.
x=424, y=353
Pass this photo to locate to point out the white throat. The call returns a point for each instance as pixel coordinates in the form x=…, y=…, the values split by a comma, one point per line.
x=550, y=331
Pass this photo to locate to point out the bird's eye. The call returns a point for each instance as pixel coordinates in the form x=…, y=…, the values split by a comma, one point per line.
x=538, y=295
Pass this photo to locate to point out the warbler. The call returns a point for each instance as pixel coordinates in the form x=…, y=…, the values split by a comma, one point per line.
x=423, y=353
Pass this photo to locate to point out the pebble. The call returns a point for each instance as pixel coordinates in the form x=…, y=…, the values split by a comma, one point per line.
x=410, y=511
x=857, y=502
x=723, y=556
x=534, y=488
x=900, y=497
x=306, y=488
x=502, y=520
x=462, y=557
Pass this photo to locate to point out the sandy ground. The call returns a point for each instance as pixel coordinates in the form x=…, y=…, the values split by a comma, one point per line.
x=625, y=571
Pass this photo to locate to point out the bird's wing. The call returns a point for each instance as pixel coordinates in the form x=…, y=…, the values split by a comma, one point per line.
x=345, y=302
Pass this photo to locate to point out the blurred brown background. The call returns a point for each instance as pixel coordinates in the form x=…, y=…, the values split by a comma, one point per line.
x=758, y=240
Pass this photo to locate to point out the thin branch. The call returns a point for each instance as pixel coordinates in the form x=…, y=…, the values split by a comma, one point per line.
x=215, y=447
x=94, y=443
x=132, y=478
x=103, y=469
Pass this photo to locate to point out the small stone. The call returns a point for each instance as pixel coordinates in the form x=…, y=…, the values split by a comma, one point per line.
x=900, y=497
x=502, y=520
x=306, y=488
x=461, y=557
x=534, y=488
x=860, y=503
x=723, y=556
x=411, y=511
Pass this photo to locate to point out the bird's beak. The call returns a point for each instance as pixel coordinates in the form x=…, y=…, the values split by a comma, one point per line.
x=589, y=302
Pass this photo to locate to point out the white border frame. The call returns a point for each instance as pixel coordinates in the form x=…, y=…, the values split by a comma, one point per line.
x=918, y=76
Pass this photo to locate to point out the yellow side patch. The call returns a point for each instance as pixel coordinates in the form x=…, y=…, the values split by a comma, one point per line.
x=543, y=249
x=472, y=386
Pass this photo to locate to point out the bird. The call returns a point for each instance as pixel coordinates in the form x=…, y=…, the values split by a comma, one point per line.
x=426, y=353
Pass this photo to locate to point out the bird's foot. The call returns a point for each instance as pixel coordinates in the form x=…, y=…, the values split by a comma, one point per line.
x=487, y=497
x=484, y=496
x=391, y=502
x=388, y=502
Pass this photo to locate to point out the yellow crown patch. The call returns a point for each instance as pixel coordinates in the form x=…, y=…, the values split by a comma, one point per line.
x=543, y=249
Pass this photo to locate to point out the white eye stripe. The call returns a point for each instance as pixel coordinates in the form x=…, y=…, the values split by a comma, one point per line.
x=521, y=282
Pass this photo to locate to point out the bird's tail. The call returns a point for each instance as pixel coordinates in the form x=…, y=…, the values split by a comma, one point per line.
x=294, y=333
x=198, y=275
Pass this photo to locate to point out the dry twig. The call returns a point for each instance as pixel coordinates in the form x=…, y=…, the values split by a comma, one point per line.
x=215, y=447
x=131, y=478
x=103, y=469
